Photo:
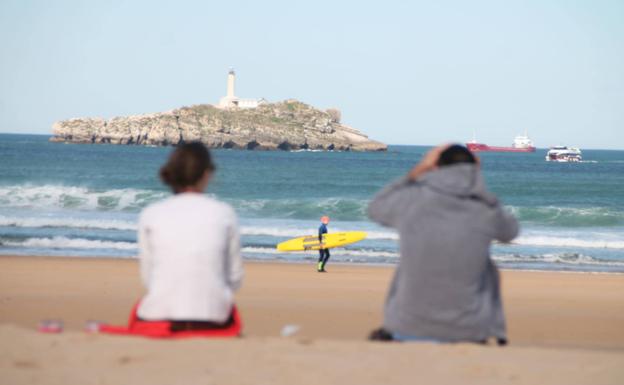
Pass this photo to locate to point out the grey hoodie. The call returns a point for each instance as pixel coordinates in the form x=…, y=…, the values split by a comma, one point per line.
x=446, y=286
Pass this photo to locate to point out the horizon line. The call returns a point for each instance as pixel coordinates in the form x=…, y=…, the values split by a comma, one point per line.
x=389, y=144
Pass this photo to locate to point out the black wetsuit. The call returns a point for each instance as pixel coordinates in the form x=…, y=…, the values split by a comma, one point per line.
x=323, y=253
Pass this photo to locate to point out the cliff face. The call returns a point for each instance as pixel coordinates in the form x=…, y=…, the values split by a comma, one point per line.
x=288, y=125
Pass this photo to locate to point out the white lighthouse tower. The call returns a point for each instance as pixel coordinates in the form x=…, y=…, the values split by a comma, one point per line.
x=230, y=100
x=230, y=84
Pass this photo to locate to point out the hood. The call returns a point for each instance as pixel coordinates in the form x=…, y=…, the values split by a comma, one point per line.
x=461, y=180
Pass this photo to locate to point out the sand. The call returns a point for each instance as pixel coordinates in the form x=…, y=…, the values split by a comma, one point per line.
x=565, y=328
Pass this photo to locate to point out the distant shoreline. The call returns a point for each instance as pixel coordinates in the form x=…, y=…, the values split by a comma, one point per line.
x=389, y=144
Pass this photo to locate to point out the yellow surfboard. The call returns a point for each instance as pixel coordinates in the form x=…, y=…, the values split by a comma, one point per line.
x=330, y=240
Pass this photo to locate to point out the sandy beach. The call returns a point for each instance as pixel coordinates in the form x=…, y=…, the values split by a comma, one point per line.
x=563, y=327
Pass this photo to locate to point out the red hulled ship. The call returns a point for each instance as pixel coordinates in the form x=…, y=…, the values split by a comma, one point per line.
x=522, y=143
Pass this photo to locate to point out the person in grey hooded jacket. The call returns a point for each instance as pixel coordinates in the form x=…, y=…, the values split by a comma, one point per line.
x=445, y=288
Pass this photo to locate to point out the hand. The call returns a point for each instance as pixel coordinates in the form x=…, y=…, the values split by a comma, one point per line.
x=428, y=163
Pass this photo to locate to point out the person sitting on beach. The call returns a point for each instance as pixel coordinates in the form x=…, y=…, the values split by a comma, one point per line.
x=323, y=252
x=189, y=248
x=446, y=287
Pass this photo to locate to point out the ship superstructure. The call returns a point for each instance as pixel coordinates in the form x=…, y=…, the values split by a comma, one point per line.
x=521, y=143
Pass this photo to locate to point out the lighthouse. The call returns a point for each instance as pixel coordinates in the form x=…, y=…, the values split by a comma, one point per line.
x=230, y=84
x=230, y=100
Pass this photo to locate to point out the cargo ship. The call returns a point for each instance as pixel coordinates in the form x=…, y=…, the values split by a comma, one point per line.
x=521, y=143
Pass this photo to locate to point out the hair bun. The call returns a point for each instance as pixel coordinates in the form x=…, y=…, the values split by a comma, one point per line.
x=186, y=166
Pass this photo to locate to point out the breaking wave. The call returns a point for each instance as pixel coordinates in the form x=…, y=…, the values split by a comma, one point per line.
x=69, y=243
x=569, y=242
x=334, y=252
x=81, y=198
x=570, y=216
x=564, y=258
x=133, y=200
x=110, y=224
x=125, y=225
x=339, y=208
x=357, y=255
x=300, y=232
x=382, y=256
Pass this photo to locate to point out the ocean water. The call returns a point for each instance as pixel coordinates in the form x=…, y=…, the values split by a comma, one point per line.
x=84, y=200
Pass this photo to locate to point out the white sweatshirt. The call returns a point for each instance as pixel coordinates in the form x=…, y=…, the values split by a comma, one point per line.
x=189, y=250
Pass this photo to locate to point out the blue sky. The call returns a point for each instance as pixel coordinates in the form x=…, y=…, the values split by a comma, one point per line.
x=402, y=72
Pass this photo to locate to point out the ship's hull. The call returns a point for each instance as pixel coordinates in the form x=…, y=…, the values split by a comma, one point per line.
x=480, y=147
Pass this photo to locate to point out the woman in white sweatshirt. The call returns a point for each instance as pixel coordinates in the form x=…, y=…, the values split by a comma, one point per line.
x=189, y=248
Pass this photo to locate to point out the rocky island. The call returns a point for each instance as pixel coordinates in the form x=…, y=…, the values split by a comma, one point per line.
x=287, y=125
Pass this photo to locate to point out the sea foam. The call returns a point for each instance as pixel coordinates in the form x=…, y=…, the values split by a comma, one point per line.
x=557, y=258
x=569, y=216
x=289, y=232
x=72, y=197
x=70, y=243
x=569, y=242
x=68, y=222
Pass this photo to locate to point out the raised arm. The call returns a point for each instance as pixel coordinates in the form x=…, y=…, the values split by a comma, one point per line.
x=388, y=205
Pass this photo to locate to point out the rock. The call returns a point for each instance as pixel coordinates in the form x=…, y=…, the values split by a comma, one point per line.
x=287, y=125
x=78, y=130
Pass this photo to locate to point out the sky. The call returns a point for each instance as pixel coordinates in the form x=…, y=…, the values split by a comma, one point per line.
x=403, y=72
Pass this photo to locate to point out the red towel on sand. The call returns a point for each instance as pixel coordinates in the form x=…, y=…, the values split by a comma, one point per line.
x=162, y=329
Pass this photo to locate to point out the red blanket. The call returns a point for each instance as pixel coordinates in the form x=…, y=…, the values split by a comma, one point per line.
x=162, y=329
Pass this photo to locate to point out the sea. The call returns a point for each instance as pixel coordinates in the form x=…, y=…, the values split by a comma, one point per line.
x=83, y=200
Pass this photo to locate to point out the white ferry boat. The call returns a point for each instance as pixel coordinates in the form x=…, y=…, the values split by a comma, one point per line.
x=564, y=154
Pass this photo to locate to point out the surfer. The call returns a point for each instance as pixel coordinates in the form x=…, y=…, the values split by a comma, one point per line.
x=323, y=253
